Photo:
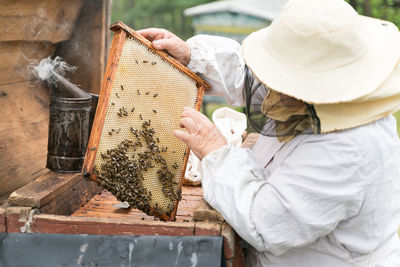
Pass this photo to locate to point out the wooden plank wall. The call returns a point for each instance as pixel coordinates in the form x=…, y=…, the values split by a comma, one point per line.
x=31, y=30
x=88, y=45
x=23, y=133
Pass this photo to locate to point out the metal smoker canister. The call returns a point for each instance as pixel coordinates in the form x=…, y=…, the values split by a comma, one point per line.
x=68, y=133
x=70, y=119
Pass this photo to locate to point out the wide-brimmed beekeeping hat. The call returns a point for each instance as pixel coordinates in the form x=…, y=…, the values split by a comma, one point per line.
x=344, y=68
x=323, y=52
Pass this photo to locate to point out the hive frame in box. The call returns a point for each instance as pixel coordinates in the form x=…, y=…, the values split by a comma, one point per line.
x=121, y=32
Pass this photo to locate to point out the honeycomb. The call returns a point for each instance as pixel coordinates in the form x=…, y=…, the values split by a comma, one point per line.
x=147, y=89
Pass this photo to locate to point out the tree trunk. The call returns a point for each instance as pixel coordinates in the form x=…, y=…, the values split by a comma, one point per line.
x=131, y=5
x=367, y=8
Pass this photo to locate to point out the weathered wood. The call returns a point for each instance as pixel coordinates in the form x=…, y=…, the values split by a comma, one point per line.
x=238, y=260
x=37, y=20
x=3, y=224
x=90, y=55
x=230, y=240
x=75, y=197
x=18, y=217
x=207, y=229
x=23, y=134
x=104, y=206
x=107, y=226
x=16, y=57
x=44, y=189
x=204, y=212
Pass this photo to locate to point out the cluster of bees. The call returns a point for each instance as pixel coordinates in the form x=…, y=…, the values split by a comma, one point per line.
x=123, y=168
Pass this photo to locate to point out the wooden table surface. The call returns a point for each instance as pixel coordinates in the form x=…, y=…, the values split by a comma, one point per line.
x=103, y=206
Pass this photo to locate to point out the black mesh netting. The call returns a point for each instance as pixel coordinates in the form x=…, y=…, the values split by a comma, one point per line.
x=274, y=114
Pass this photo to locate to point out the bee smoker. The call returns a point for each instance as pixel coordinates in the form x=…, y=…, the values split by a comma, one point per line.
x=70, y=114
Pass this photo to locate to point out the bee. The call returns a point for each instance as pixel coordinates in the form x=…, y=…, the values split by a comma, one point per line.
x=122, y=87
x=155, y=95
x=155, y=111
x=147, y=92
x=112, y=103
x=136, y=61
x=153, y=63
x=93, y=148
x=140, y=116
x=133, y=109
x=117, y=95
x=124, y=111
x=145, y=61
x=138, y=92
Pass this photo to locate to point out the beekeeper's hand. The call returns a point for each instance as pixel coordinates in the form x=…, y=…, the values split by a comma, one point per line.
x=165, y=40
x=202, y=135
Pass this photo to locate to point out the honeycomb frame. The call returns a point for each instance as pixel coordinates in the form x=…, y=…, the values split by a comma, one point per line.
x=128, y=100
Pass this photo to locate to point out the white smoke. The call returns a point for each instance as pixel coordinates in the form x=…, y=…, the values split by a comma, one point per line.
x=46, y=66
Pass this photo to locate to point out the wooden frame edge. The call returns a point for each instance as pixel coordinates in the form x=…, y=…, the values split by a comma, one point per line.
x=120, y=25
x=104, y=98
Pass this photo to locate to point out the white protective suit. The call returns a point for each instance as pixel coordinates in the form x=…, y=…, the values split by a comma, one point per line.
x=324, y=200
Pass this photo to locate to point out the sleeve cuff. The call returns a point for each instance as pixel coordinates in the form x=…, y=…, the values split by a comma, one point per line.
x=199, y=57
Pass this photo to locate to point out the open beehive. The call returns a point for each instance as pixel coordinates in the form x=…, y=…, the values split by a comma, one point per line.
x=132, y=151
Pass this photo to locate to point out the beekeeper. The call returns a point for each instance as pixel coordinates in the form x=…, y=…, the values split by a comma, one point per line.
x=321, y=187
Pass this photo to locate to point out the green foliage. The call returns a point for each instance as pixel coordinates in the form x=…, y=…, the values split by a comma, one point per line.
x=382, y=9
x=167, y=14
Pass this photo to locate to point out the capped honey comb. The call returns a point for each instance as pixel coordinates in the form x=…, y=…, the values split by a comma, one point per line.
x=132, y=151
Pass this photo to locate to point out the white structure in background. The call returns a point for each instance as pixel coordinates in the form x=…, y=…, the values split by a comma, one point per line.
x=234, y=18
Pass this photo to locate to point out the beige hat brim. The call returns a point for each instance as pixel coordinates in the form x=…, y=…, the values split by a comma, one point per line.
x=341, y=84
x=384, y=101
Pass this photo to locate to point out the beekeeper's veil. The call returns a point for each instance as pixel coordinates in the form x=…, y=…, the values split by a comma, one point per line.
x=320, y=67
